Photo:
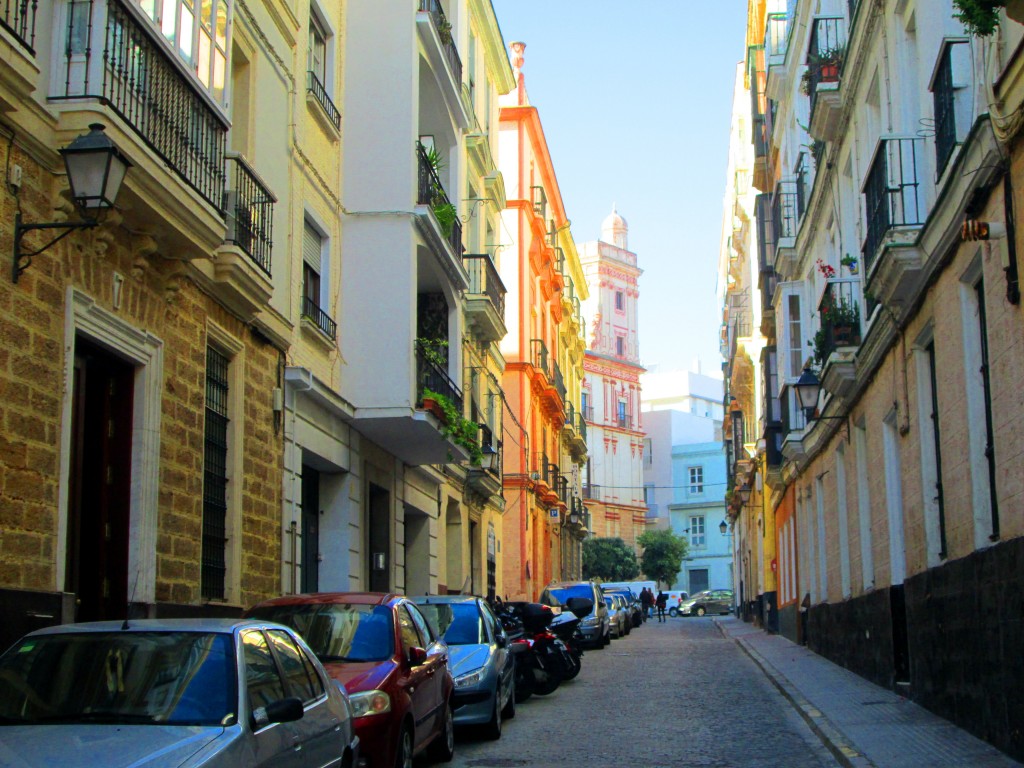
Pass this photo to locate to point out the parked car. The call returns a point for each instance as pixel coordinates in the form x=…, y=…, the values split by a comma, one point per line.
x=480, y=658
x=620, y=622
x=675, y=599
x=709, y=601
x=635, y=610
x=596, y=627
x=174, y=692
x=393, y=665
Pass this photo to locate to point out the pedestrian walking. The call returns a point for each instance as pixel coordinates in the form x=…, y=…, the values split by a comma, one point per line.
x=646, y=598
x=660, y=602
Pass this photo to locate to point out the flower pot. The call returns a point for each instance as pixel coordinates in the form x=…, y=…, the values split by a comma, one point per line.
x=432, y=406
x=844, y=336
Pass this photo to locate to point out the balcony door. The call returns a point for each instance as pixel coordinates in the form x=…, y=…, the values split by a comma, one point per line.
x=100, y=488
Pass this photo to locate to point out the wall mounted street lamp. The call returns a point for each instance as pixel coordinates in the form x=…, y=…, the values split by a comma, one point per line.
x=744, y=493
x=488, y=457
x=95, y=168
x=723, y=527
x=808, y=387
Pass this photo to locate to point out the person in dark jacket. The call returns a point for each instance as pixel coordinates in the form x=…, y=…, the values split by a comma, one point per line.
x=660, y=602
x=646, y=599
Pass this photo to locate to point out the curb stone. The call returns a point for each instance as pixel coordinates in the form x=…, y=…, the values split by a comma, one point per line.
x=830, y=736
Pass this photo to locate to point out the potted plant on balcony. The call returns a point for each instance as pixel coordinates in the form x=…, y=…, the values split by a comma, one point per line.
x=462, y=431
x=981, y=17
x=844, y=317
x=444, y=210
x=825, y=64
x=850, y=262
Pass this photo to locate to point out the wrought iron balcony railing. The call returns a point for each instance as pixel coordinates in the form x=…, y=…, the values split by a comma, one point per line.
x=825, y=53
x=429, y=375
x=19, y=18
x=559, y=382
x=624, y=420
x=431, y=192
x=784, y=211
x=249, y=212
x=444, y=32
x=127, y=67
x=542, y=468
x=592, y=492
x=581, y=426
x=839, y=316
x=323, y=321
x=484, y=279
x=316, y=88
x=539, y=357
x=539, y=199
x=892, y=193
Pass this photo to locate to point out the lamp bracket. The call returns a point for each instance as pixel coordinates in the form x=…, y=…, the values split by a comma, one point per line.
x=23, y=259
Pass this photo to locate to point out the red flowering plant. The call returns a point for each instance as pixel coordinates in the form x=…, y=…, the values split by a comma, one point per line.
x=826, y=269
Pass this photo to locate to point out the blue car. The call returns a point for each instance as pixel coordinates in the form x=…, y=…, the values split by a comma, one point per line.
x=480, y=659
x=184, y=693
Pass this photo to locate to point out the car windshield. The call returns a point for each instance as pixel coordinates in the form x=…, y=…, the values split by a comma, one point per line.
x=147, y=678
x=577, y=590
x=608, y=601
x=456, y=623
x=338, y=631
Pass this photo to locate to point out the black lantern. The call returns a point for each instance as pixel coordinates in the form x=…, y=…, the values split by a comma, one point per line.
x=744, y=493
x=489, y=457
x=807, y=389
x=95, y=168
x=723, y=527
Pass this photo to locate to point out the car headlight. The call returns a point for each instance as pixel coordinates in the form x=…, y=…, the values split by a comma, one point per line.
x=470, y=678
x=369, y=703
x=590, y=621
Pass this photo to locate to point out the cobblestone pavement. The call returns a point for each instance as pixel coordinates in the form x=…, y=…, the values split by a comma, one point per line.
x=671, y=695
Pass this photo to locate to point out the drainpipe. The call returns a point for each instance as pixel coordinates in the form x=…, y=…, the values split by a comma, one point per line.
x=295, y=380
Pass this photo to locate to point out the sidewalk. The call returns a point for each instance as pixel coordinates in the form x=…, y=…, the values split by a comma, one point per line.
x=863, y=725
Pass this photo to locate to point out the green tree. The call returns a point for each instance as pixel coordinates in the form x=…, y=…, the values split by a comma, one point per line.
x=663, y=555
x=609, y=560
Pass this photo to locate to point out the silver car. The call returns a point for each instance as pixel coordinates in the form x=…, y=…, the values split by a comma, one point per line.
x=176, y=692
x=621, y=625
x=480, y=659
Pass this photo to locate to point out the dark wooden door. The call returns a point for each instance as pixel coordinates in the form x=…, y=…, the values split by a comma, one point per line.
x=379, y=511
x=310, y=530
x=100, y=488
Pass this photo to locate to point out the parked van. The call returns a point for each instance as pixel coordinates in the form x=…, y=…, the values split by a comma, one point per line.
x=675, y=599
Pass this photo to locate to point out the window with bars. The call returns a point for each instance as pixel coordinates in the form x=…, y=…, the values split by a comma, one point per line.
x=696, y=480
x=317, y=47
x=944, y=88
x=215, y=477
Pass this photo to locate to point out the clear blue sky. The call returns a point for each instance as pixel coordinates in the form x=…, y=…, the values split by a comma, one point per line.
x=635, y=98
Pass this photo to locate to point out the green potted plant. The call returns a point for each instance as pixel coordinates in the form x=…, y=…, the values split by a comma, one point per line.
x=981, y=17
x=825, y=64
x=844, y=318
x=462, y=431
x=850, y=262
x=444, y=210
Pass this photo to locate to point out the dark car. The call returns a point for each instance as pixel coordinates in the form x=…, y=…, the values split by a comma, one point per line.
x=393, y=665
x=708, y=601
x=480, y=658
x=596, y=627
x=632, y=600
x=170, y=693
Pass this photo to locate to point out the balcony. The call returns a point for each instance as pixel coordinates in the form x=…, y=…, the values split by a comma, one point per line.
x=486, y=480
x=540, y=360
x=318, y=319
x=793, y=425
x=821, y=80
x=485, y=299
x=839, y=334
x=242, y=267
x=591, y=492
x=443, y=56
x=444, y=214
x=127, y=68
x=575, y=431
x=20, y=74
x=325, y=110
x=776, y=44
x=539, y=200
x=895, y=212
x=624, y=421
x=785, y=220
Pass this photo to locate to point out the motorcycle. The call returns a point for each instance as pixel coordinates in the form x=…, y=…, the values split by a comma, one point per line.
x=566, y=627
x=520, y=647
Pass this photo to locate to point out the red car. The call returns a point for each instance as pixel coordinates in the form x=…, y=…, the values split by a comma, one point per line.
x=393, y=666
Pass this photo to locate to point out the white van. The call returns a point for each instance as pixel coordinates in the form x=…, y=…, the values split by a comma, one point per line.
x=675, y=598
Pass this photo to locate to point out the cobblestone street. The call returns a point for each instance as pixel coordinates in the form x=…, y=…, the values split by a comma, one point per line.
x=669, y=695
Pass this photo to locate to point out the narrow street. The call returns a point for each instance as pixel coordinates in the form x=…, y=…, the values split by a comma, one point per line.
x=668, y=695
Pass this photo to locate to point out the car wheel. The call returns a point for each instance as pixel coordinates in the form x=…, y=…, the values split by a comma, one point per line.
x=443, y=747
x=700, y=610
x=403, y=754
x=673, y=612
x=509, y=711
x=492, y=729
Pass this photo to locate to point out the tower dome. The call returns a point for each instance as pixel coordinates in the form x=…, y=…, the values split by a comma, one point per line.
x=614, y=229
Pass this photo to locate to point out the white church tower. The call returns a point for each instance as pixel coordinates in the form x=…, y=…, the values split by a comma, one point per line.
x=613, y=478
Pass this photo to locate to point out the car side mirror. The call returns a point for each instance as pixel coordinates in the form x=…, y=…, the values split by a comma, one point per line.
x=500, y=640
x=417, y=656
x=282, y=711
